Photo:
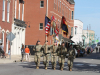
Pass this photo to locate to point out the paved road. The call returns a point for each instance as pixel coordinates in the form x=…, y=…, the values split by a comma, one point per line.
x=87, y=65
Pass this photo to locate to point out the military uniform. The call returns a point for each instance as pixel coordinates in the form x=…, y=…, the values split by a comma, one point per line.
x=46, y=56
x=71, y=57
x=54, y=56
x=38, y=51
x=62, y=55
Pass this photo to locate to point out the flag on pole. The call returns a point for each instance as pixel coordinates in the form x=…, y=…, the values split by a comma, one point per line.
x=52, y=25
x=64, y=26
x=47, y=25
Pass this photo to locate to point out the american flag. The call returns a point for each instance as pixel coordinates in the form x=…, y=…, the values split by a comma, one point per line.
x=47, y=25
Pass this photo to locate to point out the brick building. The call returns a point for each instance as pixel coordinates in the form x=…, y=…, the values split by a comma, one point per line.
x=35, y=11
x=25, y=19
x=6, y=15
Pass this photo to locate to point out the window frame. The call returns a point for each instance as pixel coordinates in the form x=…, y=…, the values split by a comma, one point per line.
x=40, y=3
x=75, y=30
x=3, y=10
x=8, y=11
x=72, y=15
x=71, y=31
x=40, y=26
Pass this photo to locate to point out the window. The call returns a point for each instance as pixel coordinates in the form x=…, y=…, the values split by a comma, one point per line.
x=58, y=5
x=54, y=4
x=19, y=12
x=71, y=31
x=42, y=4
x=23, y=12
x=15, y=7
x=75, y=30
x=8, y=10
x=69, y=13
x=72, y=15
x=41, y=26
x=3, y=13
x=20, y=1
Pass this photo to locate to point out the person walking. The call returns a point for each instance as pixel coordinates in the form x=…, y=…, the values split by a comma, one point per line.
x=54, y=55
x=1, y=50
x=27, y=52
x=22, y=52
x=62, y=55
x=9, y=51
x=47, y=53
x=38, y=51
x=71, y=57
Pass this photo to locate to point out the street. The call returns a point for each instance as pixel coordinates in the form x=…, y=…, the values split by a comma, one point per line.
x=87, y=65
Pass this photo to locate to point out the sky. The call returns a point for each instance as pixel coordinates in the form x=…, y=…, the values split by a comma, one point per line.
x=88, y=11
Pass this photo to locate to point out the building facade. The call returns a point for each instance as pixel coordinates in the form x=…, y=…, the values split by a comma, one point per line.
x=25, y=19
x=78, y=31
x=35, y=11
x=6, y=14
x=12, y=20
x=90, y=36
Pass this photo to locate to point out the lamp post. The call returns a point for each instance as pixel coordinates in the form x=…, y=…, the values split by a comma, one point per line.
x=83, y=38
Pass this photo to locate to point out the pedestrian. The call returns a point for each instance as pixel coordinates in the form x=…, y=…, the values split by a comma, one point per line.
x=38, y=51
x=9, y=52
x=96, y=49
x=62, y=55
x=22, y=52
x=47, y=53
x=27, y=52
x=54, y=55
x=1, y=50
x=71, y=57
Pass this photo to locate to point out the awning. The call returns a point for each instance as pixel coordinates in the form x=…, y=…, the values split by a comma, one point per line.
x=65, y=39
x=19, y=23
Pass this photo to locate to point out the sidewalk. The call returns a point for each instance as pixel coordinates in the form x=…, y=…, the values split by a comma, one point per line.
x=13, y=59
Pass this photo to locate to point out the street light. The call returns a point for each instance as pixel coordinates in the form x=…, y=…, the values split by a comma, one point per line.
x=83, y=38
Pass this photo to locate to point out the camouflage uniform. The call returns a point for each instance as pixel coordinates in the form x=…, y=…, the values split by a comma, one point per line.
x=54, y=56
x=71, y=57
x=38, y=51
x=62, y=55
x=46, y=56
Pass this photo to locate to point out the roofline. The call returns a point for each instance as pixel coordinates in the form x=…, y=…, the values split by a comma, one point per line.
x=78, y=19
x=89, y=30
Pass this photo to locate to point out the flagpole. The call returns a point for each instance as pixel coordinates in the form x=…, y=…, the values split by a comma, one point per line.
x=46, y=15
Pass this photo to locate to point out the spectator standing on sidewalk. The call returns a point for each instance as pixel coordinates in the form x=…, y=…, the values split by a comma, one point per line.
x=1, y=50
x=9, y=53
x=22, y=52
x=27, y=51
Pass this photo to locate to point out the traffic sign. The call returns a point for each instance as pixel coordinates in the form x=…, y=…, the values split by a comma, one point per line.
x=10, y=36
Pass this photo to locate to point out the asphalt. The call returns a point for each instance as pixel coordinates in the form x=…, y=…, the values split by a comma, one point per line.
x=87, y=65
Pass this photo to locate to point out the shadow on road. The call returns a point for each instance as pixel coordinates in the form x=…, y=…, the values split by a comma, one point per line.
x=91, y=56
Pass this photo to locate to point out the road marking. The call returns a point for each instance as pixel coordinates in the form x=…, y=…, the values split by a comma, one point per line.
x=92, y=65
x=79, y=64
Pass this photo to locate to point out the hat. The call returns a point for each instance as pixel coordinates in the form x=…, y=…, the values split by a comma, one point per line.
x=38, y=41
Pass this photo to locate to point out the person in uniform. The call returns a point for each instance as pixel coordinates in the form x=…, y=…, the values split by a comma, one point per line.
x=38, y=51
x=62, y=55
x=47, y=53
x=54, y=55
x=71, y=57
